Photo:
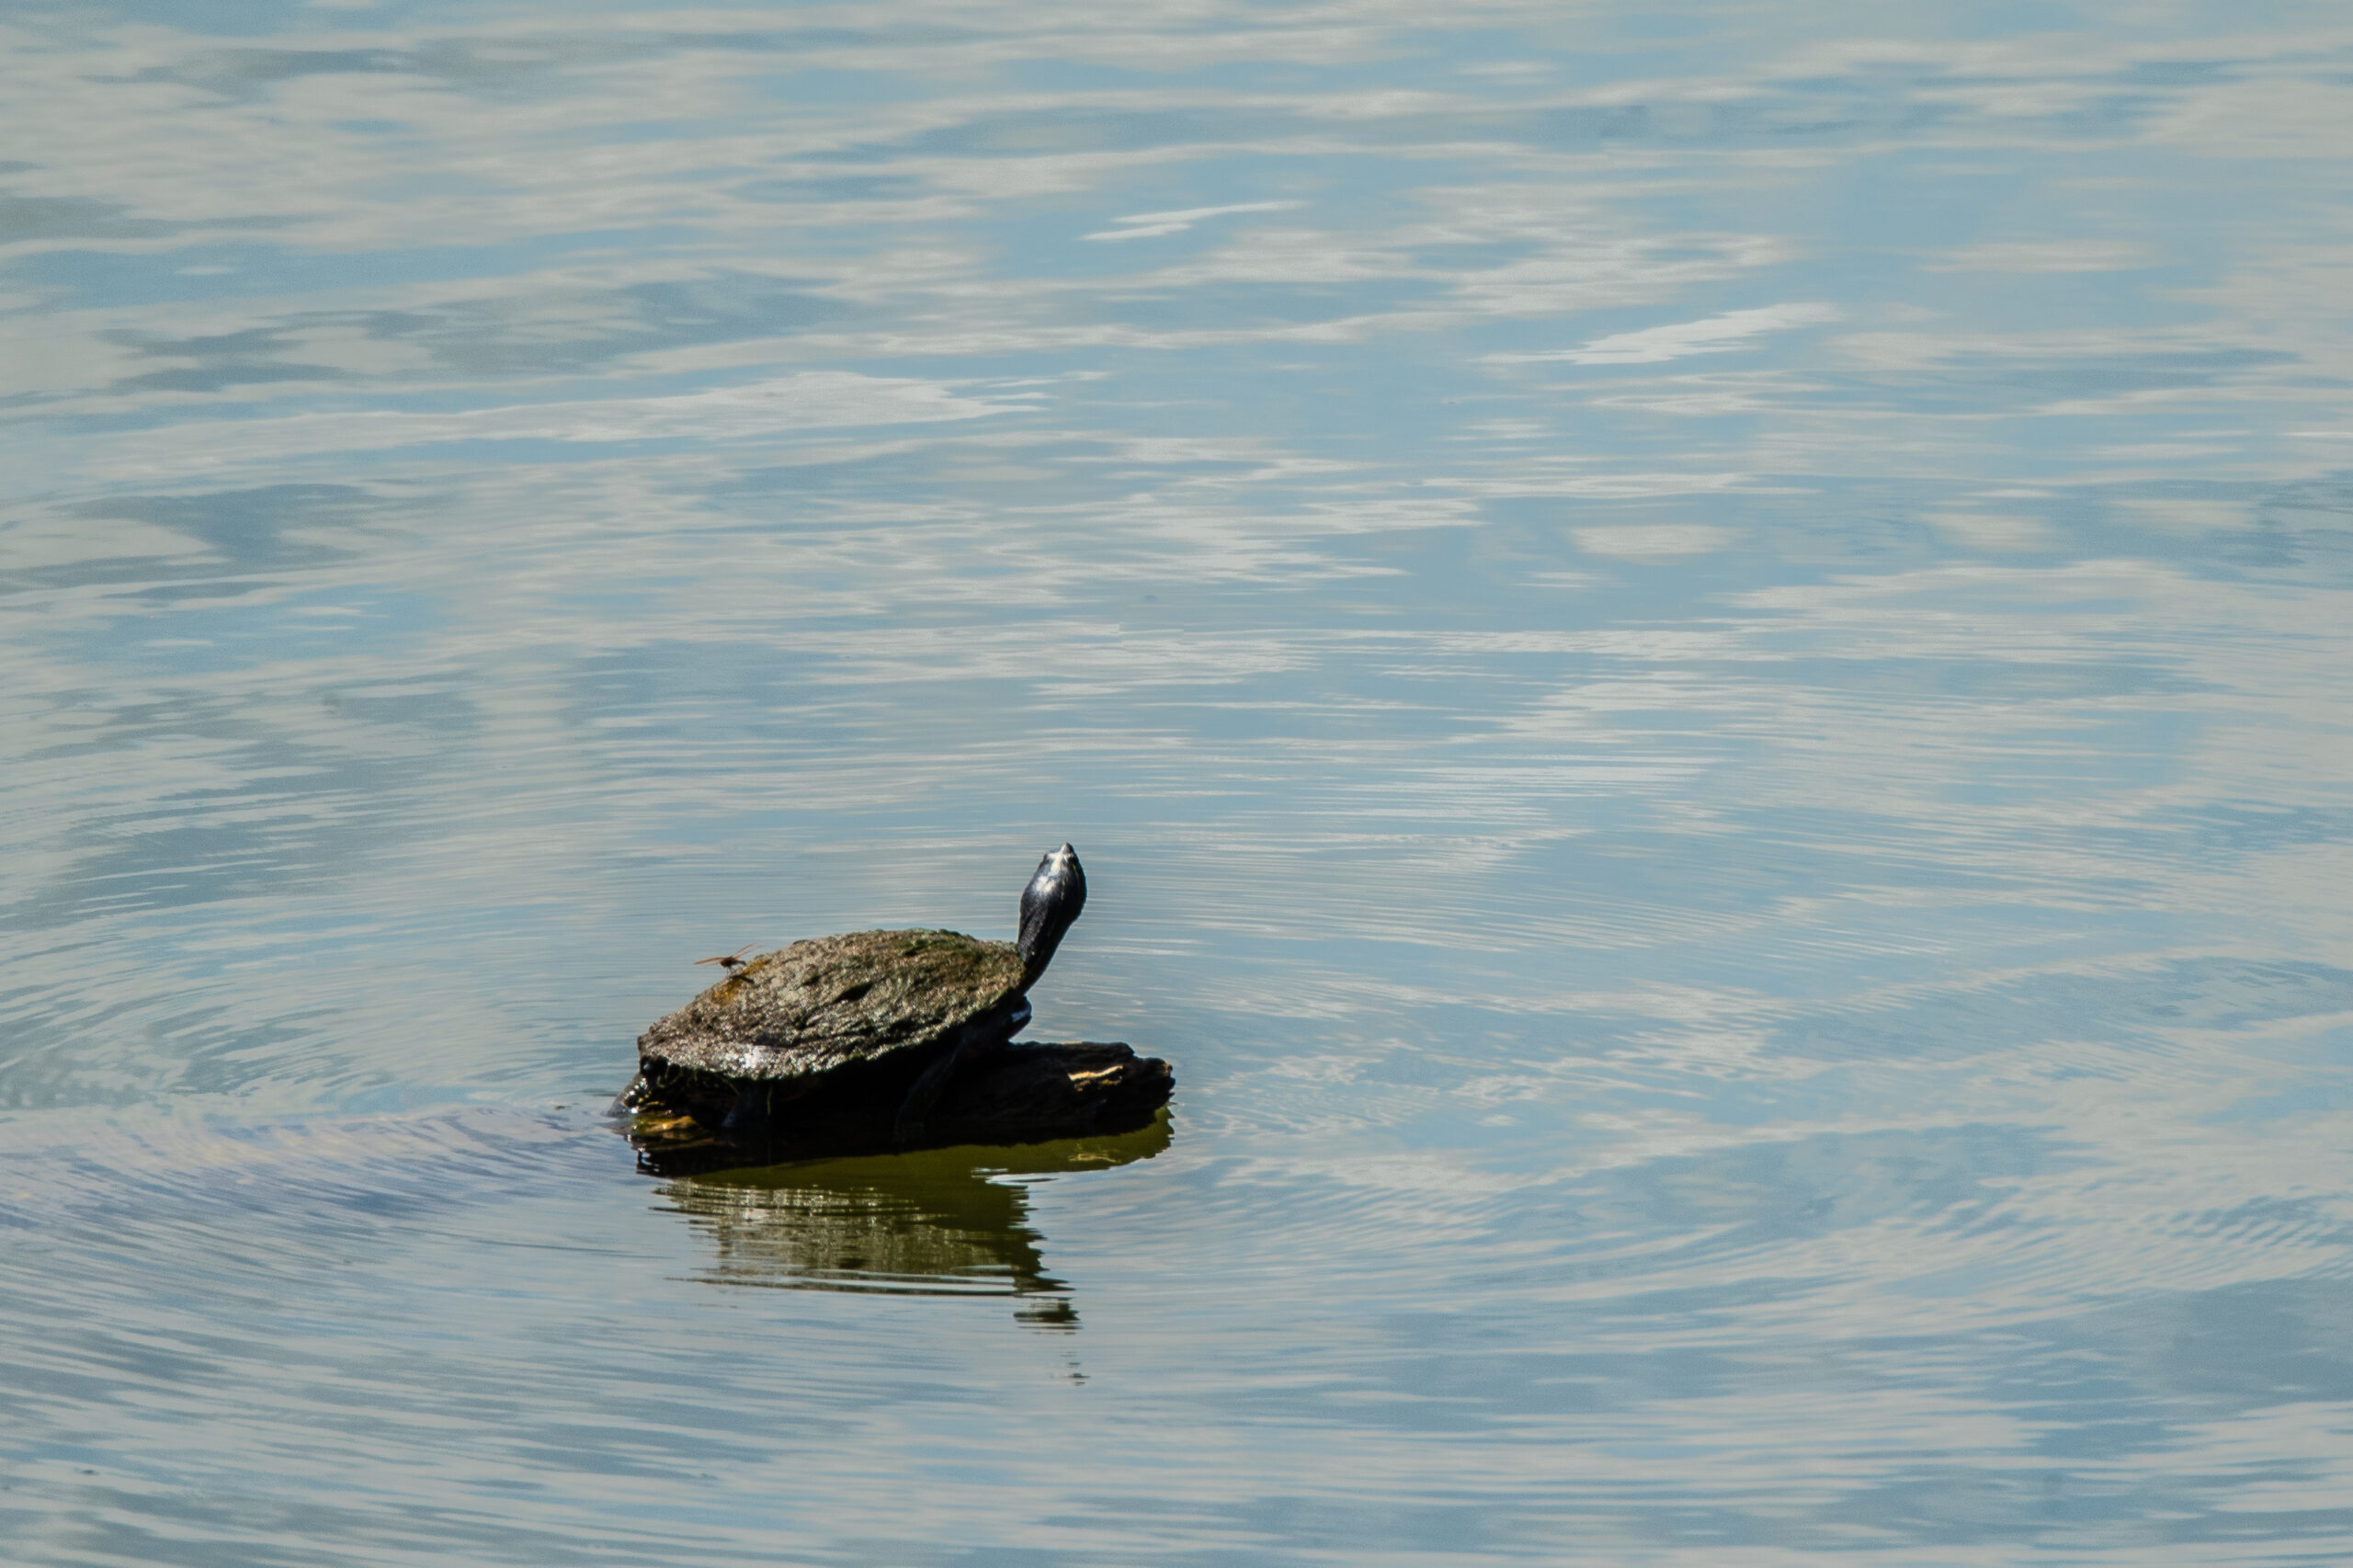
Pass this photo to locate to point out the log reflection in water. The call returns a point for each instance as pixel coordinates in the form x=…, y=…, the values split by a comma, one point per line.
x=939, y=1221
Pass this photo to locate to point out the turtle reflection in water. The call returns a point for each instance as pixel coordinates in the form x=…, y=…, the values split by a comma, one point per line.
x=889, y=1039
x=944, y=1221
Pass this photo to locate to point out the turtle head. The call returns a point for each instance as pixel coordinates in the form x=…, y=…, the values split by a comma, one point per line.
x=1051, y=901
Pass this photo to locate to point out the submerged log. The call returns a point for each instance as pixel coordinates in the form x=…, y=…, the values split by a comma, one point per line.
x=991, y=1093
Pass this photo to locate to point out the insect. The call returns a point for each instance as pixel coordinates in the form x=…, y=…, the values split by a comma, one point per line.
x=733, y=962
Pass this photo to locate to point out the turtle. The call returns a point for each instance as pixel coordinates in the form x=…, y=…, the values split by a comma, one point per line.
x=846, y=1028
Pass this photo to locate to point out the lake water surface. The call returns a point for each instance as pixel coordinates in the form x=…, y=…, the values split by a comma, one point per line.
x=1700, y=656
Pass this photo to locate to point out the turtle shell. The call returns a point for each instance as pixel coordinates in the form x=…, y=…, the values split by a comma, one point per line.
x=800, y=1014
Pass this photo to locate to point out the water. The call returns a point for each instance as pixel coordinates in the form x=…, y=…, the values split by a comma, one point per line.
x=1699, y=657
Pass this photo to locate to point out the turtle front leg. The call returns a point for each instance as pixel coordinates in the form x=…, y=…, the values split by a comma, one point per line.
x=907, y=1127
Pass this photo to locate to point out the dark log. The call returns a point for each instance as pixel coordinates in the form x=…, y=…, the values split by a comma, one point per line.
x=998, y=1094
x=1030, y=1094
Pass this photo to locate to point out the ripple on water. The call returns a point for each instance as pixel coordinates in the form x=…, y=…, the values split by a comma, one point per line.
x=1738, y=840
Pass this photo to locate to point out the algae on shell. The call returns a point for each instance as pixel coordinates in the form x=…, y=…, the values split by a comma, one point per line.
x=831, y=1002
